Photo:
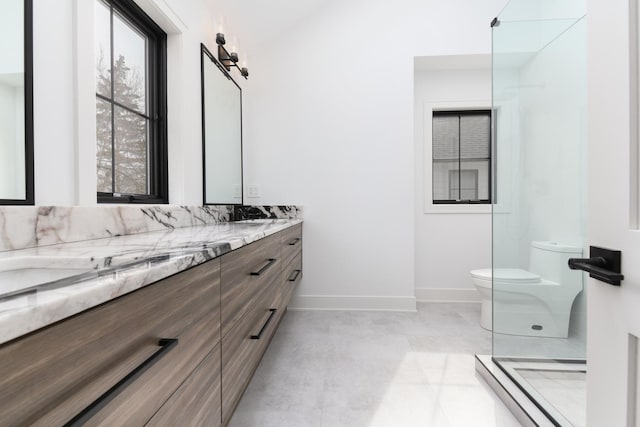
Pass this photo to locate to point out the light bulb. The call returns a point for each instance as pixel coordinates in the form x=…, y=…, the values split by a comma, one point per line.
x=234, y=44
x=222, y=24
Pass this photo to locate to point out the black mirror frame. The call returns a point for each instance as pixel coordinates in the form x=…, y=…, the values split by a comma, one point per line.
x=28, y=109
x=204, y=52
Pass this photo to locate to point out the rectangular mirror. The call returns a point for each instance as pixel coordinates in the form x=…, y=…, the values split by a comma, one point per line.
x=221, y=134
x=16, y=110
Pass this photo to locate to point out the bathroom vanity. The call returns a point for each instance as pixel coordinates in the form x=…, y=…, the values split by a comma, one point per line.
x=177, y=351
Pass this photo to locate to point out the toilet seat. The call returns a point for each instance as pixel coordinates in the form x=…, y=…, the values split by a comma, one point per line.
x=512, y=276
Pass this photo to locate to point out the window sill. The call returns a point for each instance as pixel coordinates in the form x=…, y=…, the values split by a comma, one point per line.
x=458, y=209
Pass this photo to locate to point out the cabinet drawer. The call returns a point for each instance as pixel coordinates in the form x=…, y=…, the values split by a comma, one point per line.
x=291, y=276
x=291, y=243
x=246, y=274
x=52, y=375
x=197, y=401
x=244, y=345
x=144, y=396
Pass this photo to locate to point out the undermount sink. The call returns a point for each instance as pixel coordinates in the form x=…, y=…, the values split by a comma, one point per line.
x=18, y=274
x=25, y=275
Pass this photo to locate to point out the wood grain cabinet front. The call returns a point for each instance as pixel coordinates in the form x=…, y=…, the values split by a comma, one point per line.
x=108, y=365
x=246, y=275
x=243, y=346
x=291, y=276
x=291, y=241
x=197, y=402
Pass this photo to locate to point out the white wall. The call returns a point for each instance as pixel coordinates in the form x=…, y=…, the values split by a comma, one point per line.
x=447, y=245
x=329, y=125
x=53, y=109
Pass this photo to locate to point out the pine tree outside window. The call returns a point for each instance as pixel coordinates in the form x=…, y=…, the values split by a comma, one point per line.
x=130, y=57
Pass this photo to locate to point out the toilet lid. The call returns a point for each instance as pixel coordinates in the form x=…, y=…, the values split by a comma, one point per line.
x=506, y=275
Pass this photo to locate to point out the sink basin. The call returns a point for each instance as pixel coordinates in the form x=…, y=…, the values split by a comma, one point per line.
x=22, y=276
x=17, y=274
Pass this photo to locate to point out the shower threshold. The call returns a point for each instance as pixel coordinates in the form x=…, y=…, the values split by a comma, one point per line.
x=539, y=392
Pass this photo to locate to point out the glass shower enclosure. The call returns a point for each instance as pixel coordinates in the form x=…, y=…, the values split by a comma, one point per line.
x=539, y=211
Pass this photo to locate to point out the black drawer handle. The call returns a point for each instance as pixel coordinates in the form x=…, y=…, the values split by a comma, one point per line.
x=166, y=345
x=294, y=275
x=272, y=312
x=294, y=241
x=265, y=267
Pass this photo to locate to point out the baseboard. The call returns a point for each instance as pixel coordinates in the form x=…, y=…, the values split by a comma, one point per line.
x=447, y=295
x=352, y=303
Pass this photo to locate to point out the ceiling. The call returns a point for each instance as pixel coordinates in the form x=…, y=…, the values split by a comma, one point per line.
x=257, y=22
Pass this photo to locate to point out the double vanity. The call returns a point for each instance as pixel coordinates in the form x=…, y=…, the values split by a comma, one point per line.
x=163, y=328
x=132, y=311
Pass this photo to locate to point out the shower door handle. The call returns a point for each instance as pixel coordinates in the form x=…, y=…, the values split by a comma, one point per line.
x=603, y=265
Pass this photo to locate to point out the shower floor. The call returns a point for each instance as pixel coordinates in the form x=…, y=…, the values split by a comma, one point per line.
x=558, y=387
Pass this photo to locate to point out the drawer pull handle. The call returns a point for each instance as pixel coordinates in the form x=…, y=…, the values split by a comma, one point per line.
x=294, y=241
x=166, y=346
x=294, y=275
x=264, y=268
x=272, y=312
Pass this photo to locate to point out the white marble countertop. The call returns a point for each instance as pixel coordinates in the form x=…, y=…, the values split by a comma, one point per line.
x=92, y=272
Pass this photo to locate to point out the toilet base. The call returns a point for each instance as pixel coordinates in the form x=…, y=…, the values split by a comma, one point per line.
x=522, y=314
x=532, y=318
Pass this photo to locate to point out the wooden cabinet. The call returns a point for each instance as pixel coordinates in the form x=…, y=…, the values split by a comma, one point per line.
x=291, y=242
x=292, y=261
x=179, y=352
x=246, y=275
x=243, y=346
x=50, y=376
x=197, y=401
x=246, y=338
x=291, y=276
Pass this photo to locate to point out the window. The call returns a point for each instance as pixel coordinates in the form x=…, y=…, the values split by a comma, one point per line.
x=461, y=145
x=130, y=57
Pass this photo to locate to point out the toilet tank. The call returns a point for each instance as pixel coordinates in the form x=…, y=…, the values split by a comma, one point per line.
x=549, y=260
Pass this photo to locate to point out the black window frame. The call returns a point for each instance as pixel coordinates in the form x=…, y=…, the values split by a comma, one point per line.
x=490, y=189
x=157, y=161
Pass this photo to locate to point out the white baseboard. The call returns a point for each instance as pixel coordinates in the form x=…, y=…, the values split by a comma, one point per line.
x=352, y=303
x=447, y=295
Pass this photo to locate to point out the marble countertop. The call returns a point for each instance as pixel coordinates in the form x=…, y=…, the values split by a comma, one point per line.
x=86, y=274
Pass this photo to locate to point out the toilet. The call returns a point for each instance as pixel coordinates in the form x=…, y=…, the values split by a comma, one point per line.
x=533, y=302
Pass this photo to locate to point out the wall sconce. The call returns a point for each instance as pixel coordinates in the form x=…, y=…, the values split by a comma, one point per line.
x=229, y=59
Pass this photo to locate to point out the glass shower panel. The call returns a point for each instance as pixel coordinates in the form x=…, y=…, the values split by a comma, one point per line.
x=539, y=213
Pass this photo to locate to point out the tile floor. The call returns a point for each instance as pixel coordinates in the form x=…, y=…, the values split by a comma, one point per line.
x=374, y=369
